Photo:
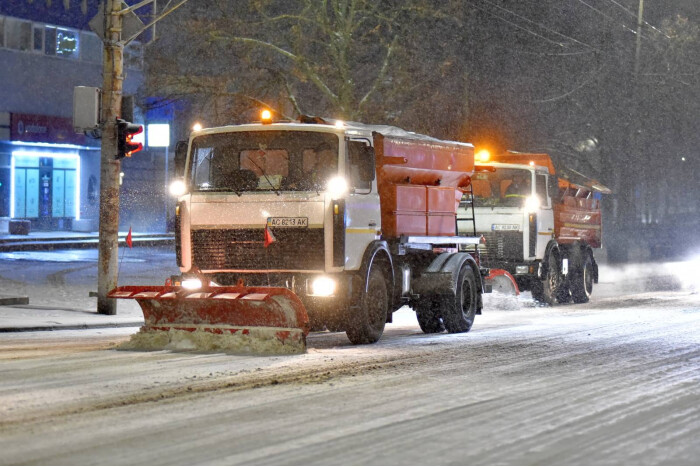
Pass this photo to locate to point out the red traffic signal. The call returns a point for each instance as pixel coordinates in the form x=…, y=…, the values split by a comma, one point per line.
x=125, y=132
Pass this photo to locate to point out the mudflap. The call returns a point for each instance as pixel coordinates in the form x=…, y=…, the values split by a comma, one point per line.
x=502, y=281
x=231, y=319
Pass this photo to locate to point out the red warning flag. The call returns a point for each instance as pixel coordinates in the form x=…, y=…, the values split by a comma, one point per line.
x=269, y=238
x=129, y=243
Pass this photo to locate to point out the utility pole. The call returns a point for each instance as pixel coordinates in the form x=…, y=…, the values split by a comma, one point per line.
x=113, y=77
x=110, y=166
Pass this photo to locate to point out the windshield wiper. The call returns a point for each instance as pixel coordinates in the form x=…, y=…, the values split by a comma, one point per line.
x=265, y=175
x=225, y=190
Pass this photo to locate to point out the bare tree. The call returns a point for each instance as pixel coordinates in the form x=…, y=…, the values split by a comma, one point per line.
x=350, y=59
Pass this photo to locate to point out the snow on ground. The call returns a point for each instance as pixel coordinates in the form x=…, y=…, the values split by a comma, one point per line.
x=615, y=381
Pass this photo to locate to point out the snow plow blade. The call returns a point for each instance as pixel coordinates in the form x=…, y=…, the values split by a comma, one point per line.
x=502, y=281
x=231, y=319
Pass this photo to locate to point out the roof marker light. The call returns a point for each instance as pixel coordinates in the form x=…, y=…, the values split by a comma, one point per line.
x=483, y=155
x=266, y=116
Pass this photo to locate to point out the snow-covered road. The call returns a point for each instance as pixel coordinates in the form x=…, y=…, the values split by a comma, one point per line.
x=615, y=381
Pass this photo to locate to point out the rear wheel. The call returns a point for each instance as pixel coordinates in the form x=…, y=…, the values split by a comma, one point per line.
x=459, y=310
x=582, y=280
x=366, y=325
x=428, y=314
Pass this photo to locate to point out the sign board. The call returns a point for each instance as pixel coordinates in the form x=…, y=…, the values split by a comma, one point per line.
x=131, y=24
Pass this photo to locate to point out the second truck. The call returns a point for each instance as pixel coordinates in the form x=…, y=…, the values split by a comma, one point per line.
x=541, y=223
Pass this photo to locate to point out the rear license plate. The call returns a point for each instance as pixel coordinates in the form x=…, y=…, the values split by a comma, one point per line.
x=288, y=221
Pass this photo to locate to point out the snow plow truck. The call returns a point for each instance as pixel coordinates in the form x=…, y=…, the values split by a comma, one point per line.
x=540, y=224
x=285, y=227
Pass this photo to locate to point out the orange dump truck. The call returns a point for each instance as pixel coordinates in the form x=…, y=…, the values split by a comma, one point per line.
x=353, y=221
x=540, y=224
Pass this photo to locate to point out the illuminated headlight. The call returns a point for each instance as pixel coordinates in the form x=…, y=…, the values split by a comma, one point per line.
x=337, y=187
x=192, y=283
x=532, y=203
x=521, y=269
x=323, y=286
x=178, y=188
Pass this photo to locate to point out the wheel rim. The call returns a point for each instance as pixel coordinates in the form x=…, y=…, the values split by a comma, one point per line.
x=552, y=276
x=466, y=297
x=587, y=280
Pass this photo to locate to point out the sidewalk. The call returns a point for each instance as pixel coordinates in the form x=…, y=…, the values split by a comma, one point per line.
x=42, y=318
x=54, y=240
x=18, y=313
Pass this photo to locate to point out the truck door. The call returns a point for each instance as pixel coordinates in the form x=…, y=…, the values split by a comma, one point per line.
x=545, y=215
x=363, y=218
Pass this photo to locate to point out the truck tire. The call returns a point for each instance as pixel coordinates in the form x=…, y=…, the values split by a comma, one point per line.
x=551, y=290
x=366, y=325
x=459, y=310
x=428, y=314
x=582, y=280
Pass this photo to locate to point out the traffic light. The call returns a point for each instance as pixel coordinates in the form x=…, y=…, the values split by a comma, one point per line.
x=125, y=132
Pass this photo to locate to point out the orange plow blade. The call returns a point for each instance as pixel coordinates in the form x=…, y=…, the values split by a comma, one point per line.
x=503, y=282
x=236, y=319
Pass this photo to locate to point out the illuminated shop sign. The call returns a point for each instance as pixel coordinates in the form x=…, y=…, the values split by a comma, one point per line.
x=30, y=128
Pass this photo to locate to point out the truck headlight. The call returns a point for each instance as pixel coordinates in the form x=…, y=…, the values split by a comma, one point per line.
x=522, y=269
x=337, y=187
x=192, y=283
x=323, y=286
x=178, y=188
x=532, y=203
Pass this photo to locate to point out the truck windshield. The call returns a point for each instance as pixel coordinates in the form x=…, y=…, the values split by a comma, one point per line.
x=263, y=161
x=502, y=187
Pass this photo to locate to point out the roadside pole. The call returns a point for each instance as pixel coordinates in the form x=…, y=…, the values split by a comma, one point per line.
x=113, y=61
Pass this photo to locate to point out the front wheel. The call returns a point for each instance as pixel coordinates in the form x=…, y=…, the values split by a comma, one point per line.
x=552, y=289
x=459, y=310
x=366, y=325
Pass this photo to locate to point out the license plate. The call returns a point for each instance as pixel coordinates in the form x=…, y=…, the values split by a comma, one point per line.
x=288, y=221
x=511, y=227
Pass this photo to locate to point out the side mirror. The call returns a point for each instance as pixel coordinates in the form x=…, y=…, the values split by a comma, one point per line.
x=362, y=157
x=180, y=158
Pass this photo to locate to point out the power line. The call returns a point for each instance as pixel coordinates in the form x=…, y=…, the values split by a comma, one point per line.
x=607, y=16
x=517, y=26
x=539, y=25
x=634, y=15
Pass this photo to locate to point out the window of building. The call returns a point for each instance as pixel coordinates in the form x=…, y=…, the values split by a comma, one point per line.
x=50, y=40
x=38, y=38
x=18, y=34
x=67, y=43
x=2, y=31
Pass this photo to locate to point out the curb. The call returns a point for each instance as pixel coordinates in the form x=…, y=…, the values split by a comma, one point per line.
x=64, y=244
x=9, y=300
x=71, y=327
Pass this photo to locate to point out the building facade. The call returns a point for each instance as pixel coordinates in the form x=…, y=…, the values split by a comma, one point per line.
x=48, y=173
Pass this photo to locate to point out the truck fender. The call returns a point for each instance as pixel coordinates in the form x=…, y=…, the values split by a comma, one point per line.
x=377, y=252
x=441, y=276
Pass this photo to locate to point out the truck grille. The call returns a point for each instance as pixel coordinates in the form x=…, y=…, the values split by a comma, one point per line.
x=243, y=249
x=503, y=246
